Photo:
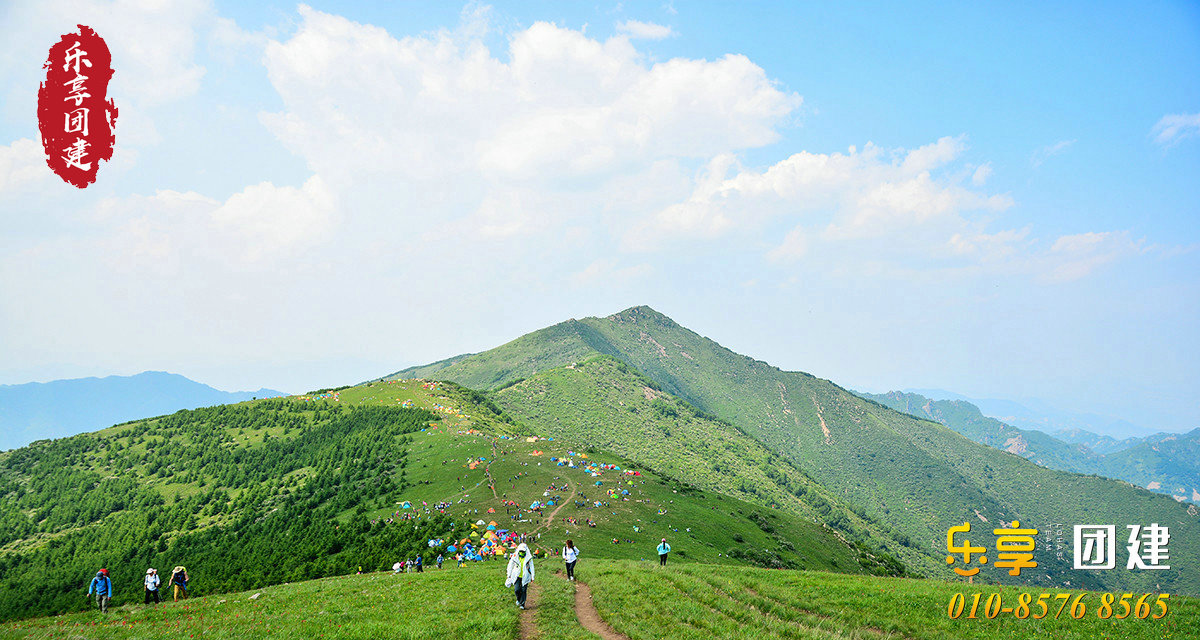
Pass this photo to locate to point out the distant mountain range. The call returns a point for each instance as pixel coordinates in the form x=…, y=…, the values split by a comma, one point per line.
x=41, y=410
x=1035, y=413
x=1163, y=462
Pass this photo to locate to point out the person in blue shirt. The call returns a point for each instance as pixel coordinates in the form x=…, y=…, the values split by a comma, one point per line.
x=663, y=550
x=420, y=564
x=102, y=585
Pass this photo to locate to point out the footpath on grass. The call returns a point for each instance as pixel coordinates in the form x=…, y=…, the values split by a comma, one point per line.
x=586, y=612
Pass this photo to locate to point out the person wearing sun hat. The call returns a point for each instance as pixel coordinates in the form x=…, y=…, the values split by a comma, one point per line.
x=663, y=550
x=152, y=583
x=179, y=579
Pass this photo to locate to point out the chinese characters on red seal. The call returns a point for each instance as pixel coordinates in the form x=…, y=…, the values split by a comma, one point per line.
x=75, y=117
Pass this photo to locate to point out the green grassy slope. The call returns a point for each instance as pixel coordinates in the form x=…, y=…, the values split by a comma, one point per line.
x=739, y=603
x=599, y=402
x=636, y=598
x=704, y=525
x=915, y=475
x=283, y=490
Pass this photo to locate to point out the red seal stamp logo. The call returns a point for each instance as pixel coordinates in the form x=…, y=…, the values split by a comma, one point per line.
x=75, y=116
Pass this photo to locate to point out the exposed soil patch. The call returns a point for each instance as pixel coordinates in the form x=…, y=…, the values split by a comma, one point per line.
x=589, y=617
x=528, y=626
x=824, y=427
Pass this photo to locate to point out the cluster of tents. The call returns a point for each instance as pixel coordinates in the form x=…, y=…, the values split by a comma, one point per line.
x=333, y=395
x=437, y=406
x=492, y=542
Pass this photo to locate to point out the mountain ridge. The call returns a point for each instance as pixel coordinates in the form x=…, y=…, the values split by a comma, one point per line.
x=915, y=474
x=59, y=408
x=1166, y=463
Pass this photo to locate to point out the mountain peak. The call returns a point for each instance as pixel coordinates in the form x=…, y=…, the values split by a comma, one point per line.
x=642, y=313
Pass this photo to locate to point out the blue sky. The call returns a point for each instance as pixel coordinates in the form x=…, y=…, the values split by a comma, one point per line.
x=306, y=195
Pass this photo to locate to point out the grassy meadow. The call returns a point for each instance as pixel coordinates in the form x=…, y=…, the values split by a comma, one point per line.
x=636, y=598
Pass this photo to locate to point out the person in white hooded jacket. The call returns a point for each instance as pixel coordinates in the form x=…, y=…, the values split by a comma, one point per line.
x=520, y=573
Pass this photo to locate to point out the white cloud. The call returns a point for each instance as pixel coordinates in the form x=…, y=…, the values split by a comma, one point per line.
x=793, y=248
x=259, y=227
x=860, y=194
x=981, y=175
x=989, y=247
x=272, y=220
x=441, y=127
x=644, y=30
x=152, y=43
x=1045, y=153
x=1076, y=256
x=1173, y=128
x=22, y=163
x=439, y=169
x=608, y=271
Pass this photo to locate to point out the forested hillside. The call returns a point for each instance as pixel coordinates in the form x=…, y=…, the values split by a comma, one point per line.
x=283, y=490
x=915, y=475
x=274, y=476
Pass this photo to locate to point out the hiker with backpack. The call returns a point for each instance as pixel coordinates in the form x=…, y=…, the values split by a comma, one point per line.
x=102, y=585
x=570, y=554
x=152, y=582
x=439, y=561
x=520, y=573
x=663, y=550
x=179, y=580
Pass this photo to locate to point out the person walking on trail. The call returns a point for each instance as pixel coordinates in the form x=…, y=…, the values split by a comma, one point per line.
x=102, y=585
x=570, y=554
x=663, y=550
x=179, y=580
x=420, y=564
x=439, y=561
x=152, y=582
x=396, y=567
x=520, y=573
